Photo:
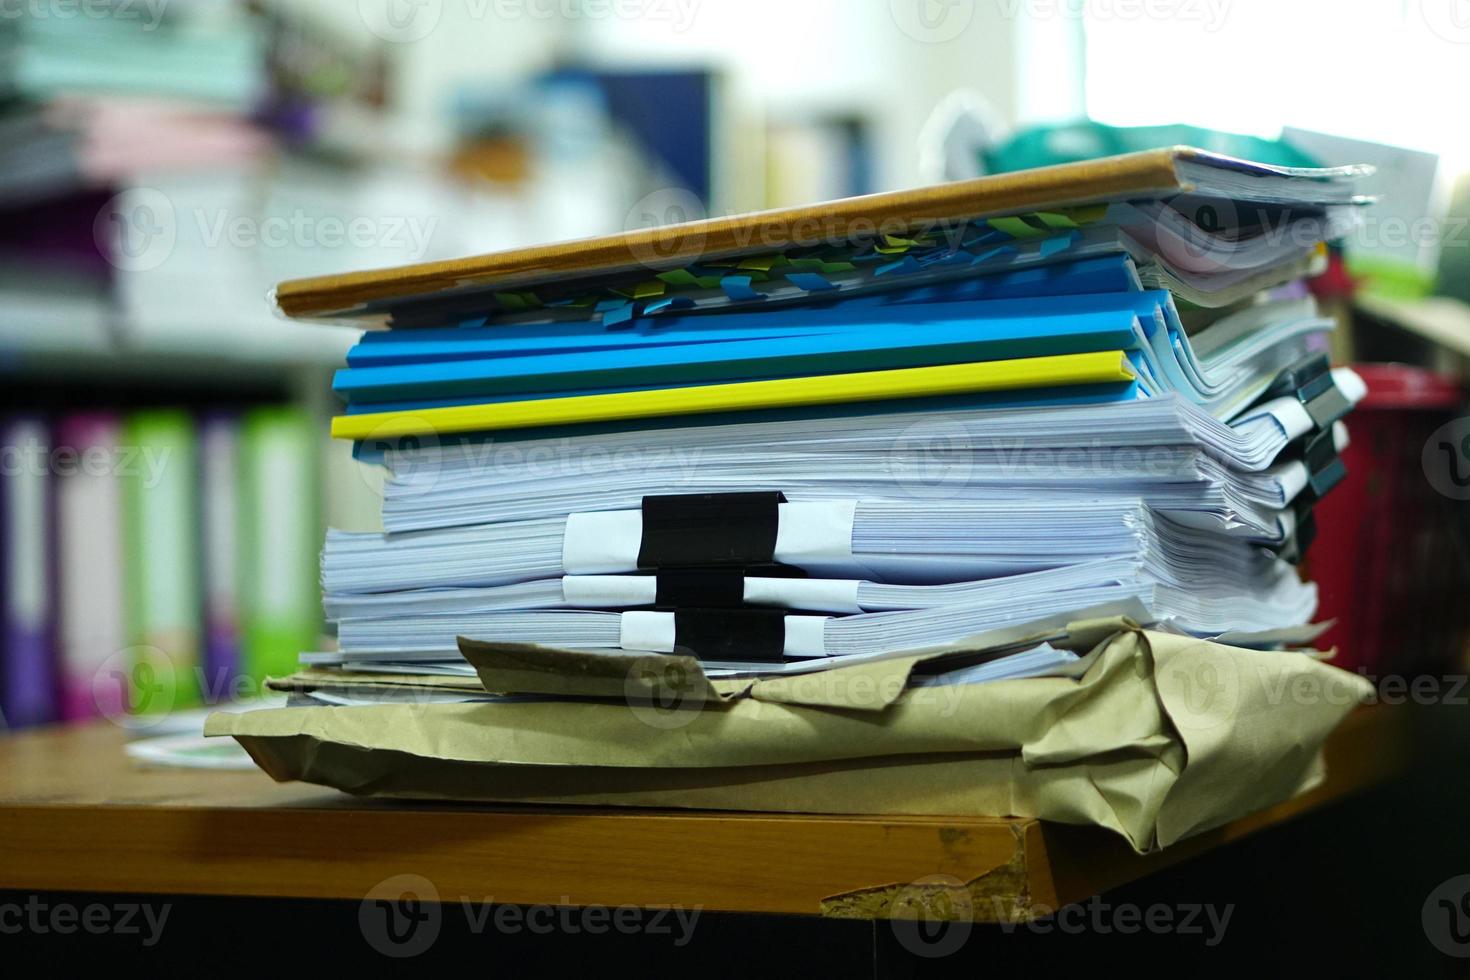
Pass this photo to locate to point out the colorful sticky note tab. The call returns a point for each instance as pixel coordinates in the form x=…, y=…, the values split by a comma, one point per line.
x=686, y=279
x=825, y=266
x=668, y=302
x=1058, y=243
x=1015, y=227
x=810, y=281
x=518, y=301
x=904, y=266
x=648, y=289
x=738, y=288
x=623, y=314
x=761, y=263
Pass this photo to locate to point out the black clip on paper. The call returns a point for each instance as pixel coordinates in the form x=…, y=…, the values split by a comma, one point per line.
x=713, y=587
x=1294, y=549
x=1325, y=468
x=756, y=635
x=1310, y=382
x=710, y=529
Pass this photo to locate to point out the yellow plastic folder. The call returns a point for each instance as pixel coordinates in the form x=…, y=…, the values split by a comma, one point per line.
x=1102, y=367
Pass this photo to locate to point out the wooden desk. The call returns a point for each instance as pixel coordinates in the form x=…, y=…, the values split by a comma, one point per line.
x=75, y=815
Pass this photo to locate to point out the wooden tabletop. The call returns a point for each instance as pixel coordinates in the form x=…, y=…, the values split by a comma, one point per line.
x=76, y=815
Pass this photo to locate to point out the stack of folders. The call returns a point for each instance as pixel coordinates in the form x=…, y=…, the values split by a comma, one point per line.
x=784, y=442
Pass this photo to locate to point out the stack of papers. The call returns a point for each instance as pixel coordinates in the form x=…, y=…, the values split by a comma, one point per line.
x=856, y=446
x=949, y=443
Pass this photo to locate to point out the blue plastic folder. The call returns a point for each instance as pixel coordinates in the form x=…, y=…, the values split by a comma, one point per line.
x=912, y=335
x=426, y=346
x=1153, y=310
x=1112, y=274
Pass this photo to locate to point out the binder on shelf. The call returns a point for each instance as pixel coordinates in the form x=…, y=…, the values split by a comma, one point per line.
x=28, y=676
x=161, y=538
x=92, y=600
x=279, y=611
x=219, y=478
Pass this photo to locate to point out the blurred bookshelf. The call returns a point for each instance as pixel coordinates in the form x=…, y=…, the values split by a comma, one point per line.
x=162, y=496
x=166, y=478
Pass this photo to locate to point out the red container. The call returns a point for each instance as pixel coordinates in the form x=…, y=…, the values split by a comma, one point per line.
x=1392, y=556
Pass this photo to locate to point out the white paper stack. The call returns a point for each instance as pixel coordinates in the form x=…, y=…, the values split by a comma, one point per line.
x=772, y=535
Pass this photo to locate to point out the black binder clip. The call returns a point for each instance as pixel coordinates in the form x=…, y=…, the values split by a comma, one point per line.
x=713, y=587
x=1294, y=548
x=755, y=635
x=1310, y=382
x=705, y=529
x=1325, y=468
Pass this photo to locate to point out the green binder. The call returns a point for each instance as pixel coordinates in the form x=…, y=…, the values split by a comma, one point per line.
x=280, y=613
x=158, y=469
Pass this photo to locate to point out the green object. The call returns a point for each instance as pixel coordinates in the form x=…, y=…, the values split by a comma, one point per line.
x=158, y=469
x=280, y=610
x=1043, y=146
x=1389, y=278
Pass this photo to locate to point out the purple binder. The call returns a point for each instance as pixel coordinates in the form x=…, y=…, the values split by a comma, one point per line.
x=28, y=684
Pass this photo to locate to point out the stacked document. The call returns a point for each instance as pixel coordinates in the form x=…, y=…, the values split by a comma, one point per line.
x=844, y=448
x=787, y=445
